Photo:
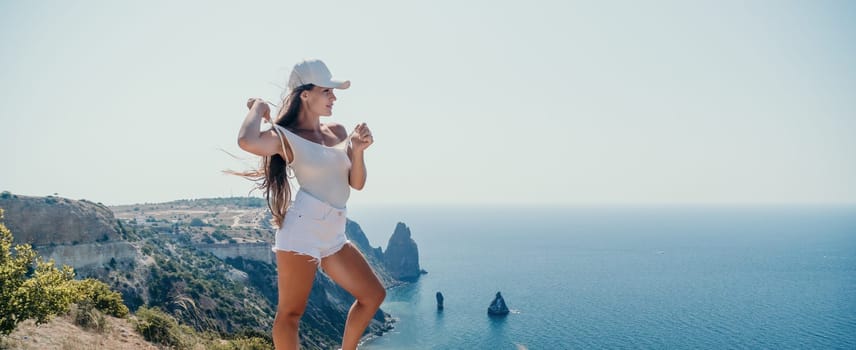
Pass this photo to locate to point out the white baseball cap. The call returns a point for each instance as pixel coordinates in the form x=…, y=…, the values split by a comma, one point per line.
x=314, y=71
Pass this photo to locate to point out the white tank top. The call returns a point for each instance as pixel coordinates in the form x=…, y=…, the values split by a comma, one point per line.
x=322, y=171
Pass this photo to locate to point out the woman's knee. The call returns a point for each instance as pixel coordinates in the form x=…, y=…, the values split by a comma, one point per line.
x=375, y=298
x=382, y=294
x=287, y=318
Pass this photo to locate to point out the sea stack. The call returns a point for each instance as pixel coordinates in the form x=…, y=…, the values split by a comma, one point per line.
x=439, y=301
x=497, y=307
x=402, y=256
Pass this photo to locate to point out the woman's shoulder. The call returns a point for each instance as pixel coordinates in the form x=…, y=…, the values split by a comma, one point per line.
x=337, y=129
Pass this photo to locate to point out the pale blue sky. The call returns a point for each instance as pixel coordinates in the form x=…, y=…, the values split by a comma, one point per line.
x=535, y=102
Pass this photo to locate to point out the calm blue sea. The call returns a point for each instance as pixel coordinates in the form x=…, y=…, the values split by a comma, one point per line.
x=625, y=277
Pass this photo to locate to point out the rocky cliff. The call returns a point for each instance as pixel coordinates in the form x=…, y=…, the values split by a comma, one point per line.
x=250, y=251
x=401, y=258
x=44, y=221
x=87, y=256
x=80, y=234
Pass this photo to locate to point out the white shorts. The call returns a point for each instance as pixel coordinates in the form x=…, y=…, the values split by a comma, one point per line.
x=312, y=227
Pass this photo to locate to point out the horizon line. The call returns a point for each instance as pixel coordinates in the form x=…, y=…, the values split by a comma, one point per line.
x=513, y=204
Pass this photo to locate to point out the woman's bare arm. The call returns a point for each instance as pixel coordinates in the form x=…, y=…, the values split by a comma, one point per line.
x=360, y=140
x=357, y=175
x=250, y=139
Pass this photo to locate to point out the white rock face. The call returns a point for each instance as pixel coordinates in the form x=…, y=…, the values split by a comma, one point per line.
x=82, y=256
x=249, y=251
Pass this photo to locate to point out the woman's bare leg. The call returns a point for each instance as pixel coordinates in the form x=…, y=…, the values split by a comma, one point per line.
x=349, y=269
x=295, y=274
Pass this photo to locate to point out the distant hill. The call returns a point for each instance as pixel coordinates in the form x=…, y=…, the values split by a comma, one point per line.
x=35, y=220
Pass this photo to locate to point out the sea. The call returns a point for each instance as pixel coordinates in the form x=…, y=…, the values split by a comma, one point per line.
x=624, y=277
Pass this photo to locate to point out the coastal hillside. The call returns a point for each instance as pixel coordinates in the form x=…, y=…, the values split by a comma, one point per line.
x=35, y=220
x=63, y=333
x=207, y=262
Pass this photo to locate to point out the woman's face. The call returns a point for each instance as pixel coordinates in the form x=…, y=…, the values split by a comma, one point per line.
x=319, y=101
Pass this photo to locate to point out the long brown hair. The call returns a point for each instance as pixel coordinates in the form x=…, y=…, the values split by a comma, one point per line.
x=271, y=176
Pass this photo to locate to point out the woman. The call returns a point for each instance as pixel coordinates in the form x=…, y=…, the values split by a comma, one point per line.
x=327, y=162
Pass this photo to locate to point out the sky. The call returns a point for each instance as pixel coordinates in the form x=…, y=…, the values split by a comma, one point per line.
x=469, y=102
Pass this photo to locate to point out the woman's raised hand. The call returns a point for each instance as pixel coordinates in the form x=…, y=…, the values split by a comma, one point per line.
x=361, y=138
x=260, y=105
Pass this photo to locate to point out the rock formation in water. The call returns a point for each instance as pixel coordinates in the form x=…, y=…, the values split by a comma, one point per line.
x=497, y=306
x=401, y=257
x=439, y=301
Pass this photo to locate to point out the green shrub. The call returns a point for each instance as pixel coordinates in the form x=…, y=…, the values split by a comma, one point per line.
x=31, y=288
x=159, y=327
x=87, y=316
x=218, y=235
x=102, y=298
x=254, y=343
